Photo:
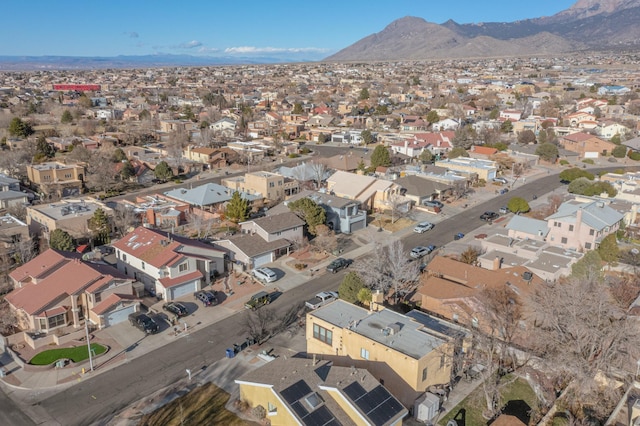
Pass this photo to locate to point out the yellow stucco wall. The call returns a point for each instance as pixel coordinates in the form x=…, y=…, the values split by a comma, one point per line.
x=256, y=395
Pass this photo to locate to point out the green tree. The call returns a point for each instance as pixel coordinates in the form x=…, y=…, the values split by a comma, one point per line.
x=616, y=139
x=66, y=117
x=127, y=171
x=574, y=173
x=608, y=249
x=361, y=166
x=367, y=136
x=364, y=94
x=380, y=157
x=426, y=156
x=518, y=205
x=457, y=152
x=322, y=138
x=382, y=110
x=579, y=186
x=364, y=296
x=494, y=114
x=100, y=227
x=44, y=151
x=589, y=267
x=237, y=209
x=548, y=152
x=506, y=127
x=619, y=151
x=61, y=240
x=20, y=128
x=297, y=108
x=309, y=211
x=350, y=286
x=433, y=117
x=163, y=172
x=187, y=112
x=119, y=155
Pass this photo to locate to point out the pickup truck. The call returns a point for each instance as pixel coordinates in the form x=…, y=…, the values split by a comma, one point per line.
x=321, y=299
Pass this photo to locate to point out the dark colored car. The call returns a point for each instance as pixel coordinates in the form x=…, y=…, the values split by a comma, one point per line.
x=458, y=236
x=338, y=264
x=257, y=300
x=177, y=309
x=488, y=216
x=144, y=323
x=208, y=298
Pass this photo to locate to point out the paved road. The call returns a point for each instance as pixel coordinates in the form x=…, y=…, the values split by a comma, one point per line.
x=11, y=414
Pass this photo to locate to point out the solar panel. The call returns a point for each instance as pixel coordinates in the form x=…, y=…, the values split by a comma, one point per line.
x=299, y=409
x=354, y=391
x=385, y=412
x=320, y=417
x=378, y=404
x=296, y=391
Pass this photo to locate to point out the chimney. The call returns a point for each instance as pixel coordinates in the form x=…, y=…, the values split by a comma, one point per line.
x=377, y=301
x=496, y=263
x=314, y=360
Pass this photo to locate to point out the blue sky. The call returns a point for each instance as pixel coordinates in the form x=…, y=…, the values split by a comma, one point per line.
x=304, y=29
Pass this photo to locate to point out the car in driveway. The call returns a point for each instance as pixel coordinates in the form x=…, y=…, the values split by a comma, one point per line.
x=501, y=180
x=337, y=264
x=489, y=216
x=458, y=236
x=257, y=300
x=208, y=298
x=144, y=322
x=432, y=203
x=423, y=227
x=420, y=251
x=265, y=274
x=176, y=308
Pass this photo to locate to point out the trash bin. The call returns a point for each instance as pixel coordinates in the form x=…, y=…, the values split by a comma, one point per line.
x=230, y=353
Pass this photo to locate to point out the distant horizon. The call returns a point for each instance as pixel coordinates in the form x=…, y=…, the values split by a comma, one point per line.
x=305, y=32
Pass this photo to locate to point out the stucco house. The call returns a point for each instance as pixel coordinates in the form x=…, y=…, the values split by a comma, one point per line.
x=586, y=145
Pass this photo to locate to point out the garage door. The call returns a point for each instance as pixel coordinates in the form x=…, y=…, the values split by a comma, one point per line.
x=182, y=290
x=118, y=315
x=263, y=259
x=591, y=155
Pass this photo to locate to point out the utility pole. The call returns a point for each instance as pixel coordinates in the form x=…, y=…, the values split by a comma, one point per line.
x=86, y=329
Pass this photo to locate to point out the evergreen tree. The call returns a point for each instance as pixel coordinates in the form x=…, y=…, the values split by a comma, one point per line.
x=350, y=286
x=66, y=117
x=380, y=157
x=61, y=240
x=237, y=209
x=19, y=128
x=310, y=212
x=163, y=171
x=100, y=227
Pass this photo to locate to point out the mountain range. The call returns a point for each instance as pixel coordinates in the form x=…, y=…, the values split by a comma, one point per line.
x=587, y=25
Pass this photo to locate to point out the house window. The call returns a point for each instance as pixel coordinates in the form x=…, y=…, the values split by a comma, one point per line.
x=67, y=175
x=557, y=224
x=563, y=240
x=124, y=257
x=271, y=185
x=272, y=409
x=143, y=266
x=183, y=267
x=442, y=361
x=322, y=334
x=97, y=297
x=570, y=227
x=364, y=353
x=43, y=323
x=57, y=320
x=587, y=246
x=592, y=231
x=424, y=374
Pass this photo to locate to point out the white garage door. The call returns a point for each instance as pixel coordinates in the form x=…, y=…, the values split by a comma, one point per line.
x=261, y=260
x=591, y=155
x=182, y=290
x=118, y=315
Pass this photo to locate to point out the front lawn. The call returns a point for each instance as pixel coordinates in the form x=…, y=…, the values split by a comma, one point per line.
x=518, y=395
x=76, y=354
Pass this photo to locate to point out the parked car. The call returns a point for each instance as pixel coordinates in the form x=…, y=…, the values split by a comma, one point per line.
x=337, y=264
x=458, y=236
x=177, y=309
x=432, y=203
x=489, y=216
x=501, y=180
x=423, y=227
x=208, y=298
x=420, y=251
x=265, y=274
x=144, y=323
x=503, y=191
x=504, y=210
x=257, y=300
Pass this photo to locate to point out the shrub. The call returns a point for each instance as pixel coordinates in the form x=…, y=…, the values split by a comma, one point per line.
x=563, y=162
x=259, y=412
x=294, y=155
x=300, y=266
x=588, y=161
x=635, y=156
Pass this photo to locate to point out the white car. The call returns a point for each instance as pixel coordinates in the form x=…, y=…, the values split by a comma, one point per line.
x=420, y=251
x=265, y=274
x=423, y=227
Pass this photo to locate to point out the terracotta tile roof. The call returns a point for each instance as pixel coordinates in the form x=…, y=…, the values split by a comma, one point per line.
x=112, y=301
x=54, y=311
x=171, y=282
x=41, y=265
x=484, y=150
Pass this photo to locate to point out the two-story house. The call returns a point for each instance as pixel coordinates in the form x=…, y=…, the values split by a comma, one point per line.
x=405, y=353
x=272, y=186
x=57, y=178
x=297, y=391
x=168, y=265
x=72, y=216
x=10, y=193
x=56, y=289
x=369, y=191
x=212, y=158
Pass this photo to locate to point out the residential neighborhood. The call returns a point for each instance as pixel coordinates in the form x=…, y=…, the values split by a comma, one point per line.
x=483, y=214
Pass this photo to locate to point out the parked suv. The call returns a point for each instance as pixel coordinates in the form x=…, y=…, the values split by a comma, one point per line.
x=144, y=323
x=177, y=309
x=489, y=216
x=265, y=274
x=338, y=264
x=432, y=203
x=207, y=298
x=418, y=252
x=423, y=227
x=257, y=300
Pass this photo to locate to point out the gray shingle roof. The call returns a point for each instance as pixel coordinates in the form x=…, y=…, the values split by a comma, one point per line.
x=207, y=194
x=278, y=222
x=595, y=214
x=528, y=225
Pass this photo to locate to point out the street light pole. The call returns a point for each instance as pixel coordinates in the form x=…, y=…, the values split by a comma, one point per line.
x=86, y=329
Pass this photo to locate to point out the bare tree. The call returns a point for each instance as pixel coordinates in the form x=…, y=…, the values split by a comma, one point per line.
x=325, y=239
x=124, y=218
x=583, y=331
x=257, y=323
x=398, y=206
x=101, y=171
x=319, y=171
x=203, y=226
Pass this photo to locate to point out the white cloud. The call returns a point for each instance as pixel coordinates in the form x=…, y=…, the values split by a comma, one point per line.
x=253, y=49
x=204, y=49
x=190, y=44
